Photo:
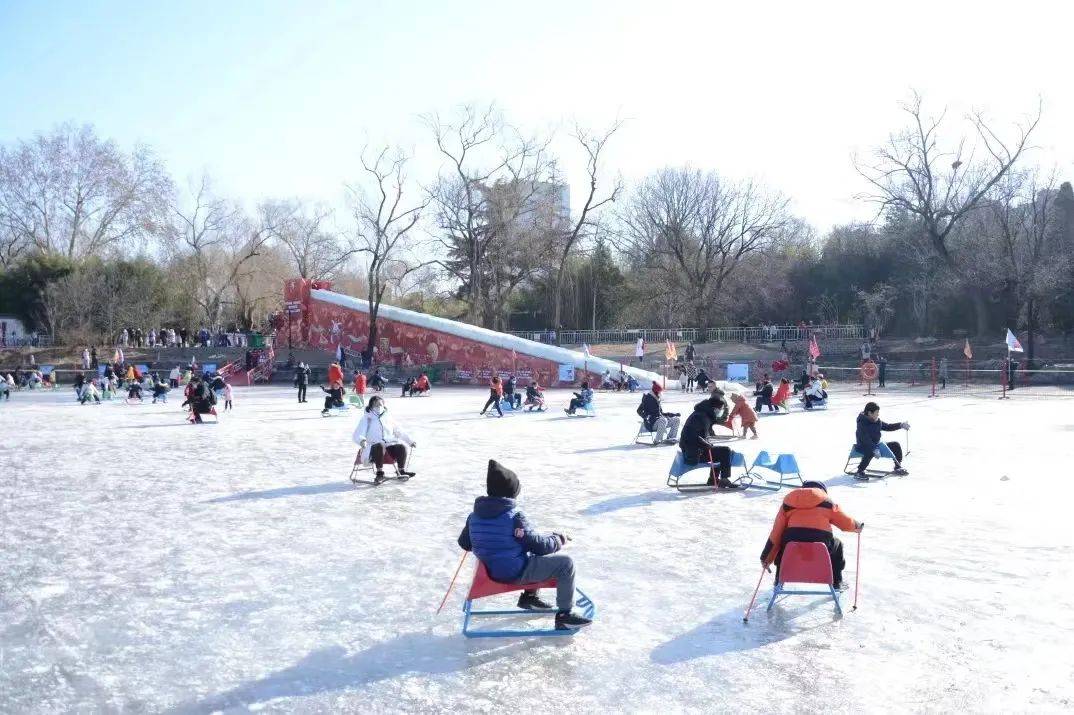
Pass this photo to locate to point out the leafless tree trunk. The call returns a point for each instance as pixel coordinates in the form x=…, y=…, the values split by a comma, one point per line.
x=385, y=226
x=216, y=243
x=697, y=228
x=593, y=144
x=72, y=194
x=479, y=149
x=942, y=186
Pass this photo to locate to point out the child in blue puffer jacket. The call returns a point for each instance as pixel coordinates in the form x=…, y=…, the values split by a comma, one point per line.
x=501, y=537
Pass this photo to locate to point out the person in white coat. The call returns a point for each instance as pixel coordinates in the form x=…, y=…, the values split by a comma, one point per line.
x=814, y=393
x=377, y=434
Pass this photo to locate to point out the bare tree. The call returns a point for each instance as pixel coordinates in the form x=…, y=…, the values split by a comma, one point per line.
x=940, y=185
x=479, y=150
x=698, y=228
x=73, y=194
x=385, y=225
x=216, y=244
x=1021, y=216
x=304, y=231
x=593, y=145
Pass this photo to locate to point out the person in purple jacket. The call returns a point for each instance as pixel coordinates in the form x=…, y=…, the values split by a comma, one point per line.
x=498, y=534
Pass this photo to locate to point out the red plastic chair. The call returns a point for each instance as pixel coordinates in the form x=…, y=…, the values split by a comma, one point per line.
x=805, y=562
x=484, y=586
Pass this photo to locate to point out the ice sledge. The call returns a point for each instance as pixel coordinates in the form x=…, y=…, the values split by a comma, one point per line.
x=484, y=586
x=680, y=468
x=587, y=410
x=885, y=453
x=644, y=433
x=817, y=405
x=356, y=400
x=361, y=467
x=808, y=563
x=785, y=465
x=335, y=410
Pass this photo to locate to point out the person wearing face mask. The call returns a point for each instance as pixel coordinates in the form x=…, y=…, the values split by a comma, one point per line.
x=377, y=434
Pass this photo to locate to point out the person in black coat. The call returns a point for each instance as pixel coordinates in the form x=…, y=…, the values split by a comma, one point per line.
x=694, y=441
x=408, y=387
x=513, y=398
x=763, y=393
x=302, y=380
x=702, y=380
x=664, y=424
x=333, y=397
x=867, y=437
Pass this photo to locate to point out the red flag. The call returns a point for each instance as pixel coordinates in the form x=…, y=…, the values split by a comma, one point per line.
x=814, y=349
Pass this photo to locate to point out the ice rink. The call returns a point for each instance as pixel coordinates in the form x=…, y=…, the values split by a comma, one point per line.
x=147, y=565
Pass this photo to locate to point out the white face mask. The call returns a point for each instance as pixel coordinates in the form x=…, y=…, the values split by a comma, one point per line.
x=380, y=410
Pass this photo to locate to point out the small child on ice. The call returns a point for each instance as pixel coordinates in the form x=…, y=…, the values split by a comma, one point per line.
x=744, y=412
x=499, y=535
x=227, y=396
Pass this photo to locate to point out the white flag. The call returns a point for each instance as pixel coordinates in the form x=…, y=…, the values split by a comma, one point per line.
x=1012, y=342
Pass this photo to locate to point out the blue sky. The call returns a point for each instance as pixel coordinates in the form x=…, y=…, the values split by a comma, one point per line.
x=277, y=99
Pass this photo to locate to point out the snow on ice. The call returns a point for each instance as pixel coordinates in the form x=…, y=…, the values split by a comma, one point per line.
x=147, y=565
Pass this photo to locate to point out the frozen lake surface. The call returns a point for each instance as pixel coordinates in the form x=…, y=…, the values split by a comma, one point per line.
x=147, y=565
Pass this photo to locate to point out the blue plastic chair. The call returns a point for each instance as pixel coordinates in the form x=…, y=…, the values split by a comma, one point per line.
x=785, y=465
x=885, y=453
x=747, y=479
x=679, y=467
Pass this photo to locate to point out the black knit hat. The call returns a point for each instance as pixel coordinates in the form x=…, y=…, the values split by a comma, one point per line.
x=501, y=481
x=815, y=485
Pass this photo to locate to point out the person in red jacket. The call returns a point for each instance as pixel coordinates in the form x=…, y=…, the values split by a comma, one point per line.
x=359, y=383
x=745, y=413
x=421, y=385
x=782, y=393
x=807, y=514
x=335, y=373
x=495, y=395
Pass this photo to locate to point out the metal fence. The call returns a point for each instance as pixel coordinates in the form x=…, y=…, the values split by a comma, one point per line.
x=27, y=341
x=756, y=334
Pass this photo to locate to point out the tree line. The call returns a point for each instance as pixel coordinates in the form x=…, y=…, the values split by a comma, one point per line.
x=970, y=233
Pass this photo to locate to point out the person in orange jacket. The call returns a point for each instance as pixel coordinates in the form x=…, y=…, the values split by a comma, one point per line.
x=807, y=514
x=745, y=413
x=495, y=395
x=421, y=385
x=335, y=373
x=359, y=383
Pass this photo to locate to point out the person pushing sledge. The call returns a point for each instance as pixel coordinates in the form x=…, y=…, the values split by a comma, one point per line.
x=807, y=514
x=500, y=536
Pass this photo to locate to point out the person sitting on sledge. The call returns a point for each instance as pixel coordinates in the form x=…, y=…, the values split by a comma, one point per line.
x=779, y=400
x=867, y=439
x=763, y=393
x=134, y=391
x=500, y=536
x=495, y=393
x=89, y=392
x=632, y=383
x=378, y=434
x=583, y=398
x=160, y=391
x=513, y=398
x=664, y=424
x=814, y=393
x=333, y=397
x=702, y=380
x=201, y=400
x=376, y=380
x=534, y=397
x=745, y=413
x=421, y=385
x=408, y=387
x=802, y=382
x=807, y=514
x=694, y=440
